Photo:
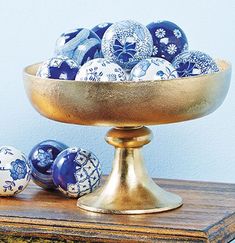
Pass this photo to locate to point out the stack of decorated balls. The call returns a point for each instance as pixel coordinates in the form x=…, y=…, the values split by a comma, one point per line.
x=126, y=51
x=52, y=165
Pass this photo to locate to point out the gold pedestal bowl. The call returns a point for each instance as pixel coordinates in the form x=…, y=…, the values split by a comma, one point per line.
x=128, y=107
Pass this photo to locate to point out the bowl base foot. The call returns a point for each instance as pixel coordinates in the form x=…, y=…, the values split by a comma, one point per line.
x=129, y=189
x=154, y=201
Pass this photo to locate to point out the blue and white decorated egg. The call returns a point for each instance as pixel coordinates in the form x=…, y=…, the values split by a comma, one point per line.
x=154, y=68
x=101, y=28
x=42, y=157
x=80, y=44
x=126, y=43
x=169, y=39
x=76, y=172
x=192, y=63
x=15, y=171
x=101, y=69
x=59, y=67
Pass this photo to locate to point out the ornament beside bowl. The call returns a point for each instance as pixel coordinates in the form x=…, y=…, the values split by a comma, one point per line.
x=15, y=171
x=42, y=157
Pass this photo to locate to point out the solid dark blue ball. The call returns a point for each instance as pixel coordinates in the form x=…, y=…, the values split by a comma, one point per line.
x=101, y=28
x=42, y=157
x=169, y=39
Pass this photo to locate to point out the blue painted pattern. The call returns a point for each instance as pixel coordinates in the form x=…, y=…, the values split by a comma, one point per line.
x=101, y=28
x=126, y=43
x=42, y=157
x=100, y=69
x=15, y=171
x=169, y=39
x=76, y=172
x=193, y=63
x=153, y=69
x=59, y=67
x=80, y=44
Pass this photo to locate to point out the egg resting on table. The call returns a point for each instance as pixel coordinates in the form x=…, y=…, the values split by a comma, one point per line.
x=80, y=44
x=15, y=171
x=59, y=67
x=101, y=28
x=76, y=172
x=101, y=69
x=192, y=63
x=154, y=68
x=42, y=157
x=169, y=39
x=126, y=43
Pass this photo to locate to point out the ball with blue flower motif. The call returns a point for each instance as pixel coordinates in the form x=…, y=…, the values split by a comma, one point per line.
x=101, y=28
x=193, y=63
x=154, y=68
x=59, y=67
x=15, y=171
x=101, y=69
x=76, y=172
x=169, y=39
x=80, y=44
x=42, y=157
x=126, y=43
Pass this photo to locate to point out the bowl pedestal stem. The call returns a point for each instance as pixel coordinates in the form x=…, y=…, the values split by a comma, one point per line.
x=129, y=189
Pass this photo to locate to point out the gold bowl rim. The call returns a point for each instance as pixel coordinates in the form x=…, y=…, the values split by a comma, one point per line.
x=127, y=103
x=218, y=62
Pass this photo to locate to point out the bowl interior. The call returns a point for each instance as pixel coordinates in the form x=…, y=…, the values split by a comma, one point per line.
x=127, y=103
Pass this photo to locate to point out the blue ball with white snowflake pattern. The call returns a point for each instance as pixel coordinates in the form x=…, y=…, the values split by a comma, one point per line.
x=59, y=67
x=169, y=39
x=79, y=44
x=193, y=63
x=76, y=172
x=101, y=28
x=126, y=43
x=42, y=157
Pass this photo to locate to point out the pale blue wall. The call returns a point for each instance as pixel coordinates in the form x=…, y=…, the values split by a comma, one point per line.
x=202, y=149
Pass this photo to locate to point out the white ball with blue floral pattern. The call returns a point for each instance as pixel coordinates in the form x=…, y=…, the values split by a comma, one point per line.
x=15, y=171
x=59, y=67
x=193, y=63
x=101, y=69
x=126, y=43
x=153, y=69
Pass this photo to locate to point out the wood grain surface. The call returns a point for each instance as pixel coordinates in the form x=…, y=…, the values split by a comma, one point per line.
x=36, y=215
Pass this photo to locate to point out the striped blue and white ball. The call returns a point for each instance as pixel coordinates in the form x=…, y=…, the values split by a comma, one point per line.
x=80, y=44
x=76, y=172
x=154, y=68
x=193, y=63
x=101, y=69
x=169, y=39
x=126, y=43
x=42, y=157
x=15, y=171
x=101, y=28
x=59, y=67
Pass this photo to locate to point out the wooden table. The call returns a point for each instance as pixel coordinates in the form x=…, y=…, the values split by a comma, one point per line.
x=208, y=215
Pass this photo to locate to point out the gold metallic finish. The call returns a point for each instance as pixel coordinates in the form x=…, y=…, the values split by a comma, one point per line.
x=129, y=189
x=128, y=106
x=128, y=103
